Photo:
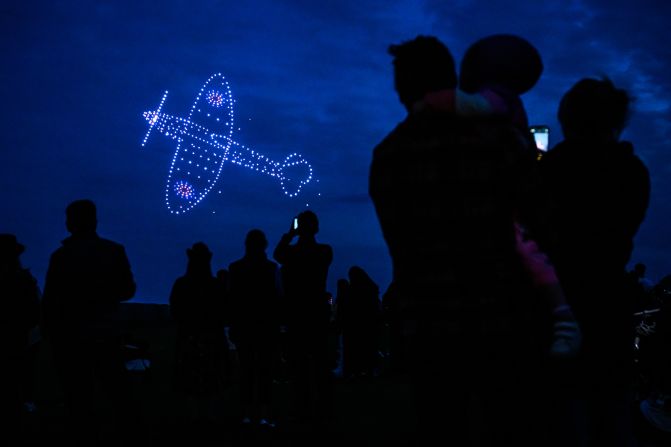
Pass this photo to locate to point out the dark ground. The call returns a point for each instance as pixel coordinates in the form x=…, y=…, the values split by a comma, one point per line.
x=376, y=411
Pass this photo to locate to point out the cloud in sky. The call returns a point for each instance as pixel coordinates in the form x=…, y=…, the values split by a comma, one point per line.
x=309, y=77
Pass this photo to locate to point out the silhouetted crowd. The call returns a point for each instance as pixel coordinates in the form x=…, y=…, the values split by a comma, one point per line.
x=510, y=312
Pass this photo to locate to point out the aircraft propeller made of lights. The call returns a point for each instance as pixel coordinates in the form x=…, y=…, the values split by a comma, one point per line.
x=205, y=141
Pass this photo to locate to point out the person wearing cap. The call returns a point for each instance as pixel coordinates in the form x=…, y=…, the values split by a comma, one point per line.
x=20, y=314
x=197, y=307
x=88, y=277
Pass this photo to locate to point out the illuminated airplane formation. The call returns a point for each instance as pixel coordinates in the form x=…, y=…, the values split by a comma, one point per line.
x=204, y=143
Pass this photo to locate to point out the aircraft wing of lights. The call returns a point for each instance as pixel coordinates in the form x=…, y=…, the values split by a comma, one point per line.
x=205, y=142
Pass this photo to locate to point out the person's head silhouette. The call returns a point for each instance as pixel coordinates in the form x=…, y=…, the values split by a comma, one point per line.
x=422, y=65
x=199, y=252
x=308, y=224
x=357, y=274
x=359, y=278
x=10, y=249
x=341, y=286
x=81, y=217
x=595, y=110
x=503, y=64
x=639, y=269
x=256, y=243
x=199, y=259
x=500, y=61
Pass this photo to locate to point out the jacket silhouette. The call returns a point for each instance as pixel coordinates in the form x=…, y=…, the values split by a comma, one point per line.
x=197, y=307
x=254, y=303
x=87, y=278
x=20, y=313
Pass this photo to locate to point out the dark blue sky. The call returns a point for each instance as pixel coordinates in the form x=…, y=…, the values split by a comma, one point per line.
x=308, y=77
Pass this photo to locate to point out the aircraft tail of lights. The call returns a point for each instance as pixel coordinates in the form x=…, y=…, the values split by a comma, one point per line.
x=205, y=141
x=154, y=117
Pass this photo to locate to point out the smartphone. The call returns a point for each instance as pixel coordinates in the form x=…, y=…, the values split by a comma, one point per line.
x=295, y=223
x=541, y=134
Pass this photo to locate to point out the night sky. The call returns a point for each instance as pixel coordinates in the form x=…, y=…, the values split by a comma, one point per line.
x=307, y=76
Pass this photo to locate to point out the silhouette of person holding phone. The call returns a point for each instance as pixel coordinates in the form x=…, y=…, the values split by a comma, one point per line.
x=304, y=271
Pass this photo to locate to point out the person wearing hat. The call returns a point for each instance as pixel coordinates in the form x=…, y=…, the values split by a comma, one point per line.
x=197, y=307
x=20, y=314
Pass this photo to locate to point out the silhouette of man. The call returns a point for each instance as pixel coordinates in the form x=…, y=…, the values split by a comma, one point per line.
x=307, y=314
x=254, y=295
x=87, y=278
x=447, y=189
x=20, y=313
x=598, y=192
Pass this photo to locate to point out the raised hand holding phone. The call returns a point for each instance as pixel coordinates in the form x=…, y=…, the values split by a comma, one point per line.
x=541, y=134
x=293, y=229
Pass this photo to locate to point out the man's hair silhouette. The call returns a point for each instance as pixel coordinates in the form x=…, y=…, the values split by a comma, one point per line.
x=256, y=241
x=81, y=216
x=308, y=223
x=421, y=65
x=594, y=108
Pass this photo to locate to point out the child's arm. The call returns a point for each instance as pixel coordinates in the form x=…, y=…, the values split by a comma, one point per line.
x=483, y=103
x=536, y=263
x=566, y=333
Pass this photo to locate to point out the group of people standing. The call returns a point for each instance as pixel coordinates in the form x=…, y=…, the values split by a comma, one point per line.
x=78, y=314
x=87, y=278
x=509, y=277
x=255, y=298
x=510, y=272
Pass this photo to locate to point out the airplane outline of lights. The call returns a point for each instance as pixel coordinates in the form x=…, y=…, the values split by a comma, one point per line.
x=201, y=152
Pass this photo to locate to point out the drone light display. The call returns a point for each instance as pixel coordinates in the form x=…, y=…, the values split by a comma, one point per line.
x=205, y=141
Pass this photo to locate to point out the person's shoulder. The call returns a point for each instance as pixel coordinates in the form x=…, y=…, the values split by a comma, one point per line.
x=181, y=280
x=213, y=282
x=181, y=283
x=415, y=128
x=619, y=157
x=325, y=248
x=25, y=279
x=112, y=245
x=389, y=142
x=25, y=275
x=412, y=123
x=236, y=265
x=561, y=151
x=112, y=248
x=626, y=149
x=58, y=253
